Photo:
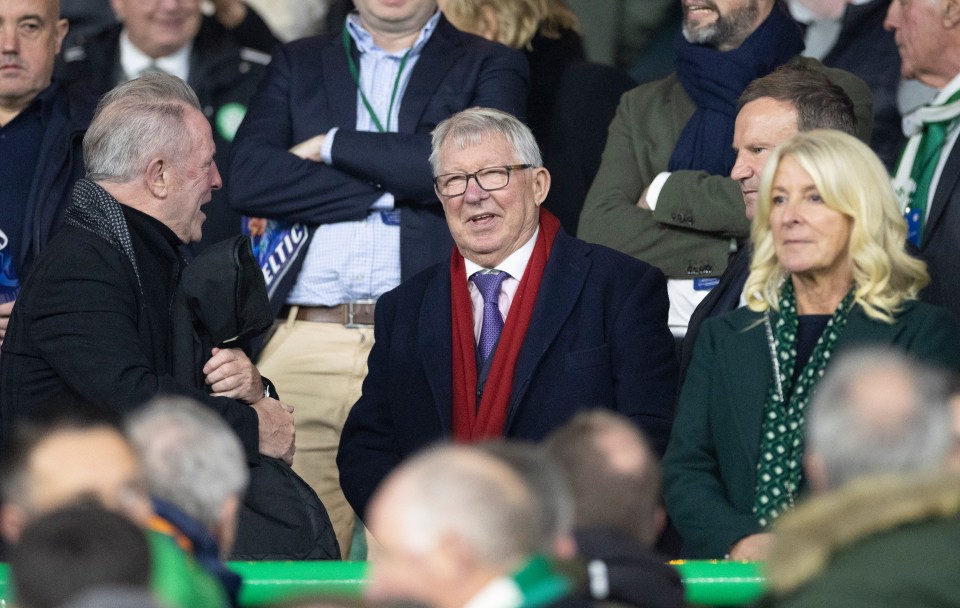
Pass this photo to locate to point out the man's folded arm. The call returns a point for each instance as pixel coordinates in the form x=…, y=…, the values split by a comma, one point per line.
x=267, y=180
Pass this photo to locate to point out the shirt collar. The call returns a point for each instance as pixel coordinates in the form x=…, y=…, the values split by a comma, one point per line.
x=801, y=13
x=43, y=102
x=133, y=61
x=514, y=265
x=364, y=40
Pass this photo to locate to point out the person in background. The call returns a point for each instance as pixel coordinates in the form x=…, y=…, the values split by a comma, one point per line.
x=790, y=99
x=927, y=177
x=222, y=57
x=75, y=550
x=520, y=329
x=615, y=479
x=77, y=457
x=458, y=527
x=829, y=272
x=333, y=152
x=849, y=35
x=547, y=32
x=882, y=524
x=196, y=475
x=663, y=192
x=42, y=122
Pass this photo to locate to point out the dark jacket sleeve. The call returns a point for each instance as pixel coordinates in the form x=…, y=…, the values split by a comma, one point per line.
x=267, y=180
x=82, y=319
x=696, y=496
x=644, y=358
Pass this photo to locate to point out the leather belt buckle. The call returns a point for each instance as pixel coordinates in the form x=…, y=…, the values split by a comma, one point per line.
x=359, y=313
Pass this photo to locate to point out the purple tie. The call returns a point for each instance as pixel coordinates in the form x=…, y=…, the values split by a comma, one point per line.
x=489, y=286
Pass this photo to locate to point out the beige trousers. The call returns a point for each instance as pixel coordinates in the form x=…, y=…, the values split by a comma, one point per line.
x=319, y=369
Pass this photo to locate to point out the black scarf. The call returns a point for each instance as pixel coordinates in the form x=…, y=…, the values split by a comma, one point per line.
x=715, y=79
x=93, y=208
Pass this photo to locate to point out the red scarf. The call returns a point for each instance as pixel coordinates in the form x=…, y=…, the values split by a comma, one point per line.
x=470, y=423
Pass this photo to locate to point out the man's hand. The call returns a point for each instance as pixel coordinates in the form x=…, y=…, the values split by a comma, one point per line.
x=309, y=149
x=230, y=373
x=277, y=435
x=230, y=13
x=755, y=547
x=5, y=311
x=642, y=203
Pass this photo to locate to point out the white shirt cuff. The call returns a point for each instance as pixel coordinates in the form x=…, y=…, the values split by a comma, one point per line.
x=653, y=192
x=326, y=150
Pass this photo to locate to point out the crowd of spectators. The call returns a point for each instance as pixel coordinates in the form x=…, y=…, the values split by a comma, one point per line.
x=413, y=281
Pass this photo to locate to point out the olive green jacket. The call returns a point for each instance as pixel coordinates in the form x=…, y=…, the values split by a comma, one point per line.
x=688, y=234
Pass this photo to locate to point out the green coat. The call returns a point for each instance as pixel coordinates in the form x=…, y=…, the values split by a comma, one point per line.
x=688, y=234
x=875, y=542
x=710, y=465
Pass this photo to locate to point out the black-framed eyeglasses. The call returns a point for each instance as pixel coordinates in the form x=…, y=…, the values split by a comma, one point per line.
x=488, y=178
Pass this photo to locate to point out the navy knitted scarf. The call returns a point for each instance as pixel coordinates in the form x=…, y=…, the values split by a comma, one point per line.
x=715, y=79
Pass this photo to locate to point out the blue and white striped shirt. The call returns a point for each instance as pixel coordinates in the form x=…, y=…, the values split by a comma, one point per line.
x=357, y=260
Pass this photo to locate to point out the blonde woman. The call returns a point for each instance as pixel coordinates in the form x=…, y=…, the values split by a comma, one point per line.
x=829, y=272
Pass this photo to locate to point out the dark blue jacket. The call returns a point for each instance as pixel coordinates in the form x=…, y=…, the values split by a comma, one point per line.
x=308, y=90
x=598, y=337
x=59, y=166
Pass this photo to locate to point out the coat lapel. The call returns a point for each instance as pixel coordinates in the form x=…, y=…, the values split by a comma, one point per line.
x=338, y=83
x=563, y=279
x=435, y=344
x=750, y=364
x=945, y=189
x=438, y=55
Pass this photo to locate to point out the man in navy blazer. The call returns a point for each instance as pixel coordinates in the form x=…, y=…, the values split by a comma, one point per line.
x=333, y=154
x=572, y=325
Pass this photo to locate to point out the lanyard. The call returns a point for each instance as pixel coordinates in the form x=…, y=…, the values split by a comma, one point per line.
x=355, y=72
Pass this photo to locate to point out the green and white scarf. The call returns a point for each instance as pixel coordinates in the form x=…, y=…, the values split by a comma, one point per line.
x=780, y=466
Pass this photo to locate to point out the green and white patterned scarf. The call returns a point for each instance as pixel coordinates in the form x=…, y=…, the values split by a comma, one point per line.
x=780, y=466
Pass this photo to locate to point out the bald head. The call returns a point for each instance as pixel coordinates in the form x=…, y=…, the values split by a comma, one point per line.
x=448, y=521
x=877, y=412
x=32, y=33
x=70, y=465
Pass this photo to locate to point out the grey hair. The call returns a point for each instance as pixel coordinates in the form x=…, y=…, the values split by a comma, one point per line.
x=547, y=480
x=134, y=122
x=462, y=491
x=191, y=458
x=856, y=439
x=467, y=128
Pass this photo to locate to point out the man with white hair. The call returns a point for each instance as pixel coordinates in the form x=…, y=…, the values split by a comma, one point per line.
x=98, y=327
x=459, y=527
x=883, y=527
x=928, y=36
x=196, y=475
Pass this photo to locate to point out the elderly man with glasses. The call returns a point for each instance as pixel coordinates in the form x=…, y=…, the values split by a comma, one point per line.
x=520, y=329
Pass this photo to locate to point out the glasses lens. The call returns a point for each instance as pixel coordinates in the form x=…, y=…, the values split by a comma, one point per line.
x=493, y=178
x=453, y=184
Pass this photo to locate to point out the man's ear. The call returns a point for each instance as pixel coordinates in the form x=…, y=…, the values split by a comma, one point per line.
x=158, y=177
x=951, y=13
x=63, y=26
x=541, y=184
x=12, y=522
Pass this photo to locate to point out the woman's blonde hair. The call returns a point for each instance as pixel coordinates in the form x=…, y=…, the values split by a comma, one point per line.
x=852, y=181
x=518, y=21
